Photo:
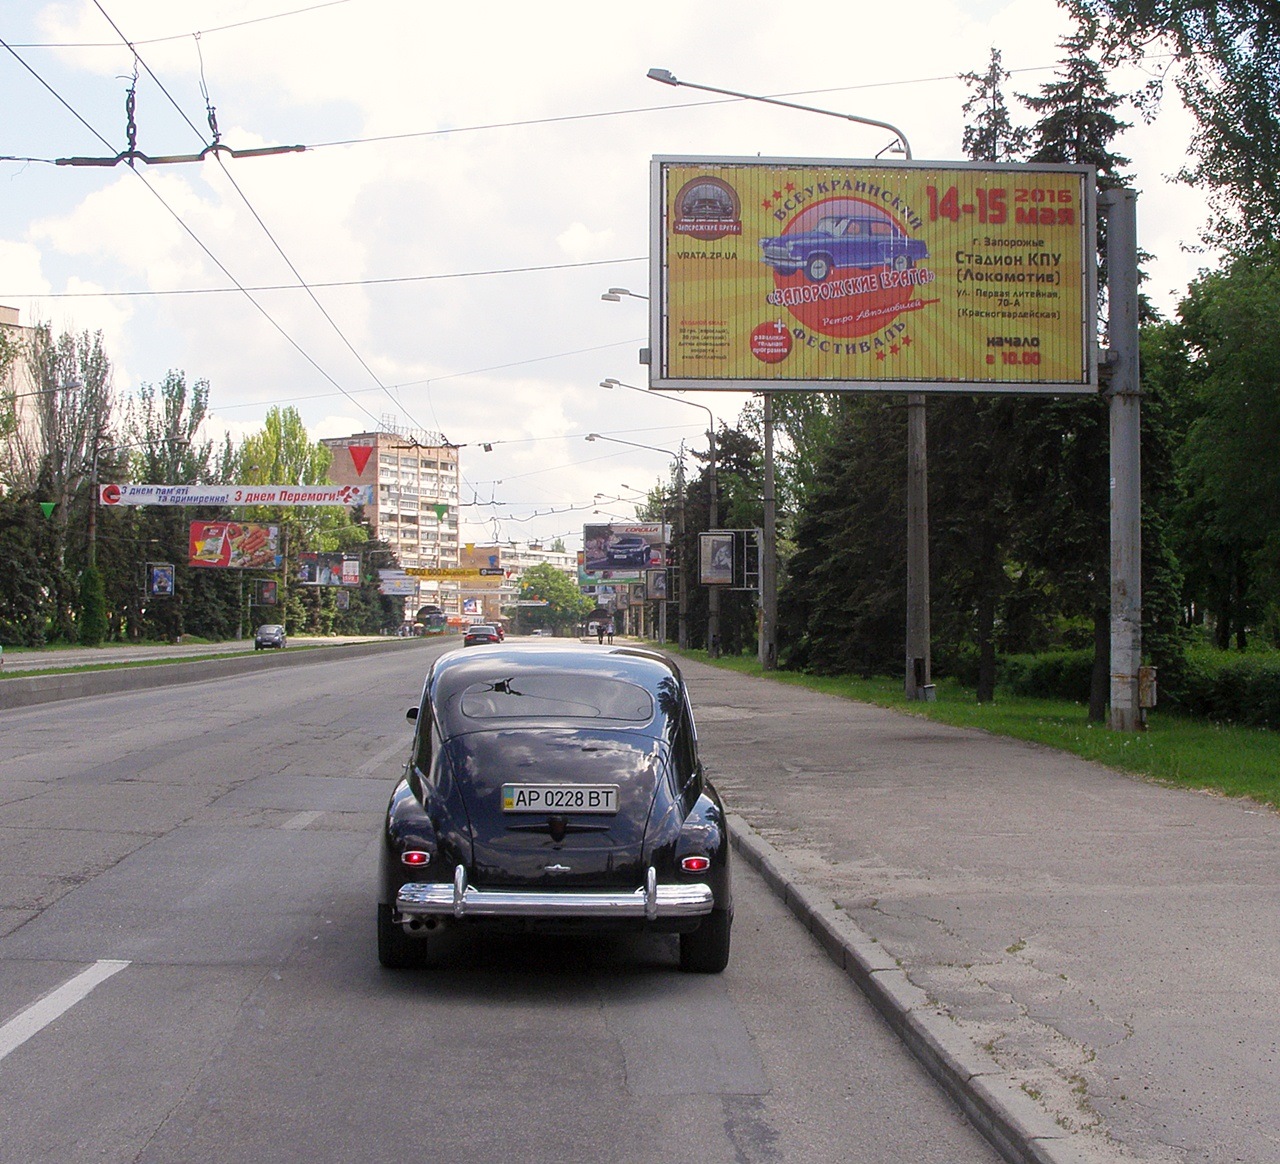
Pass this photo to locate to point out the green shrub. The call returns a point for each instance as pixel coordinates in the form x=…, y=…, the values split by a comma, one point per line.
x=1226, y=687
x=1050, y=675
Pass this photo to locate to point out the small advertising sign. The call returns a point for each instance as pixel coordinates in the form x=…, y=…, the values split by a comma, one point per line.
x=891, y=276
x=715, y=559
x=231, y=545
x=268, y=592
x=160, y=579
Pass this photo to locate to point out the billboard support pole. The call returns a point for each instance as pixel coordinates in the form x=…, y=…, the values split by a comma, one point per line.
x=682, y=607
x=919, y=684
x=1124, y=397
x=768, y=648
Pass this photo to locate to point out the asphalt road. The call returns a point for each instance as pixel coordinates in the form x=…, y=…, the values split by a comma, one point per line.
x=187, y=970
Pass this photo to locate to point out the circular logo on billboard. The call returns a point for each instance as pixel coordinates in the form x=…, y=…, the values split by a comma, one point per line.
x=845, y=267
x=771, y=342
x=111, y=495
x=707, y=207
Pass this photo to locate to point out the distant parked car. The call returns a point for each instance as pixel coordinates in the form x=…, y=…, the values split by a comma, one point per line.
x=270, y=635
x=555, y=788
x=628, y=550
x=480, y=633
x=843, y=241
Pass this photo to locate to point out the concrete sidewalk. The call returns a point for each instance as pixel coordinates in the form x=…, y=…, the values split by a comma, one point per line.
x=1093, y=958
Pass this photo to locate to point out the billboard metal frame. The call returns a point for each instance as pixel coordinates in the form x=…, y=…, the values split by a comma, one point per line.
x=1083, y=358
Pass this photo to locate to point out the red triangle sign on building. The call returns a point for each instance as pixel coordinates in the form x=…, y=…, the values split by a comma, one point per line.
x=360, y=457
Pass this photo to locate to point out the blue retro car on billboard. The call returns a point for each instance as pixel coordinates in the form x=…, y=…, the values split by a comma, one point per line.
x=843, y=241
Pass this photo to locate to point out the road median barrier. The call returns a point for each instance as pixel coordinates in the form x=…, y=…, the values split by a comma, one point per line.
x=29, y=690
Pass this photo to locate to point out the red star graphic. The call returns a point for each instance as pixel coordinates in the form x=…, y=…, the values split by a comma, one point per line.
x=777, y=193
x=767, y=204
x=791, y=187
x=880, y=354
x=906, y=340
x=895, y=348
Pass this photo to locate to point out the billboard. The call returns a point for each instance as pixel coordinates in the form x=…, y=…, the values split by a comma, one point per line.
x=233, y=544
x=623, y=550
x=328, y=569
x=349, y=495
x=893, y=276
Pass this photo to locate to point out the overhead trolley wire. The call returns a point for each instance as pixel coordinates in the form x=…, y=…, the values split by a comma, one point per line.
x=194, y=237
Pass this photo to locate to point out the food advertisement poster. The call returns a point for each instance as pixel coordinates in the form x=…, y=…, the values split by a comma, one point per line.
x=234, y=545
x=908, y=276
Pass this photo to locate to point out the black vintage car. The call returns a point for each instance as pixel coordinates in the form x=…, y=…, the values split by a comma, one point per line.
x=555, y=788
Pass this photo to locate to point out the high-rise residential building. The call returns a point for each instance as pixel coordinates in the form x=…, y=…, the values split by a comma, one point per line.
x=415, y=499
x=17, y=408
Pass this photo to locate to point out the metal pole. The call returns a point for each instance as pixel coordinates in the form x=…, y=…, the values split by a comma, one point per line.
x=713, y=520
x=1124, y=391
x=682, y=609
x=919, y=661
x=768, y=649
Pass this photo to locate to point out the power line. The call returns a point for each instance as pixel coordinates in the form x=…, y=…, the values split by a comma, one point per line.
x=184, y=35
x=194, y=237
x=387, y=280
x=333, y=323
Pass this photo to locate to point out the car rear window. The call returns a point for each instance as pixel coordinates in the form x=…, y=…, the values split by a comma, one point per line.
x=559, y=696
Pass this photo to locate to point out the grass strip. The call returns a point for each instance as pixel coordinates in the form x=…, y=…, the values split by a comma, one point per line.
x=1187, y=753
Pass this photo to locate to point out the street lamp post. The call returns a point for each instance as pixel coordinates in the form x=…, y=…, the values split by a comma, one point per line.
x=682, y=600
x=713, y=506
x=918, y=661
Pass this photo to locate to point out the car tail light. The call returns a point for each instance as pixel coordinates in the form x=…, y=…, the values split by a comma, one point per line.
x=695, y=864
x=415, y=857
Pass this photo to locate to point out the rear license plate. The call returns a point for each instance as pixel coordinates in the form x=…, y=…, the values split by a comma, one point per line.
x=559, y=798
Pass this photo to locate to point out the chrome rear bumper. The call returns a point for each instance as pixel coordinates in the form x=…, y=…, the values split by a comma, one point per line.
x=460, y=900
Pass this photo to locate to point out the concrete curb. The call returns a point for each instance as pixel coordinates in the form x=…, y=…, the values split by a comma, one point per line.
x=990, y=1097
x=30, y=690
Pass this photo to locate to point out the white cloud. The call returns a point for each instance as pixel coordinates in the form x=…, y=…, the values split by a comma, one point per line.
x=507, y=358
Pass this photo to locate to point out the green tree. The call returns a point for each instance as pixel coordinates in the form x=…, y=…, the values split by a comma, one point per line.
x=842, y=605
x=283, y=454
x=26, y=582
x=989, y=132
x=1230, y=522
x=566, y=604
x=93, y=609
x=1228, y=75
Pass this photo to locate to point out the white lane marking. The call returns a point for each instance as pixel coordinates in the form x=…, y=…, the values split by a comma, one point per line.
x=382, y=757
x=55, y=1004
x=301, y=820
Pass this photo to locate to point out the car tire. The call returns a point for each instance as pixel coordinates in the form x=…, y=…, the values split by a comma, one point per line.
x=706, y=949
x=396, y=950
x=818, y=268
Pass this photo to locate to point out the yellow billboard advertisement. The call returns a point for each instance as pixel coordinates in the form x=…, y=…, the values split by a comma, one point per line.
x=906, y=276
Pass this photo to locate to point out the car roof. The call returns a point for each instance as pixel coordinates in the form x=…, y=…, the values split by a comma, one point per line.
x=456, y=673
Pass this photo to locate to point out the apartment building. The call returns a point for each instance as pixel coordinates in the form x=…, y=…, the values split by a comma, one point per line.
x=415, y=499
x=17, y=408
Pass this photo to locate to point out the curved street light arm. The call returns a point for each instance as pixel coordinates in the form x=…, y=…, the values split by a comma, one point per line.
x=666, y=77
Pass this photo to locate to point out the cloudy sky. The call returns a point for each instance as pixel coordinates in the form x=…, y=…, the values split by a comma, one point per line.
x=476, y=176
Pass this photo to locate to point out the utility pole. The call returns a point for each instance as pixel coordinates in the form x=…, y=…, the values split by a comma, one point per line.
x=919, y=683
x=682, y=608
x=1124, y=394
x=768, y=649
